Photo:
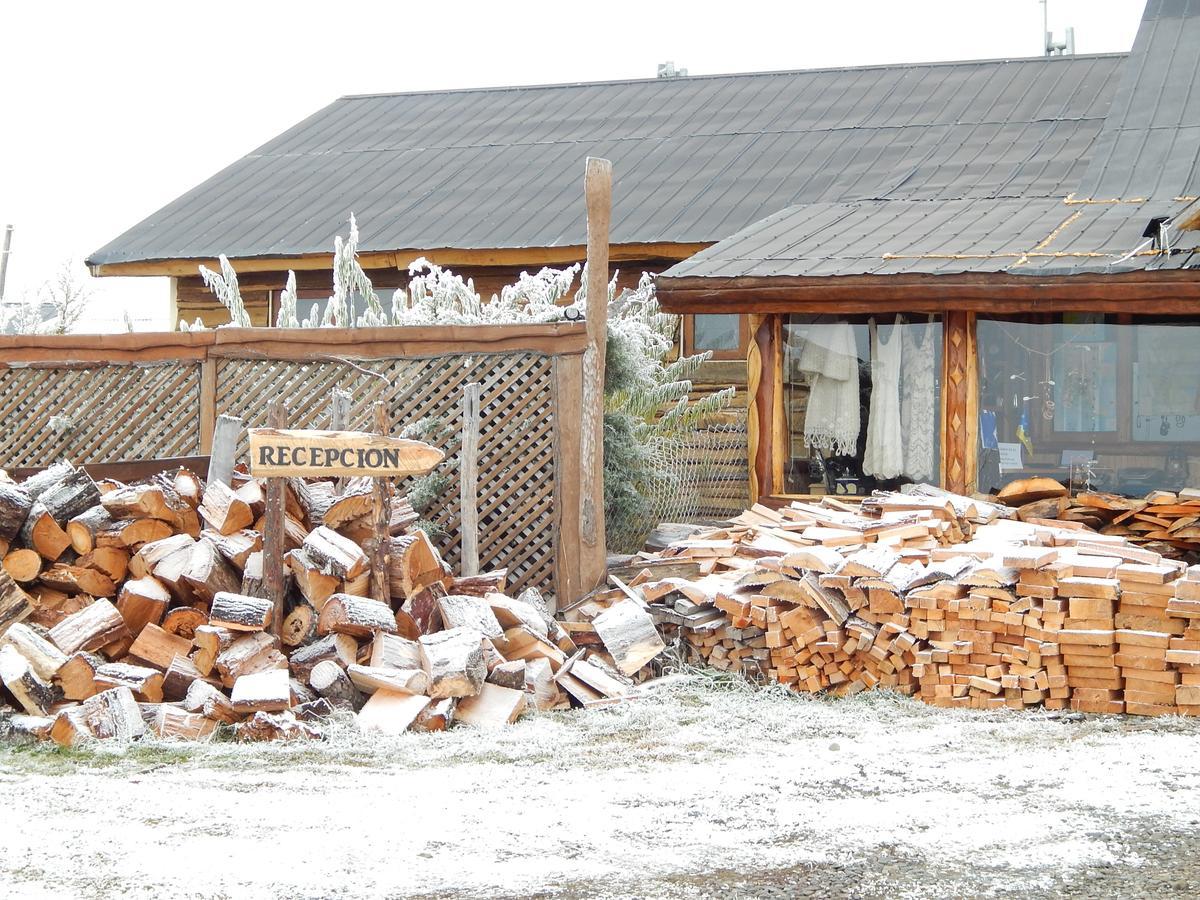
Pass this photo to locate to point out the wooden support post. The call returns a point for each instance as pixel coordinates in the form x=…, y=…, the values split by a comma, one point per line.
x=273, y=529
x=960, y=403
x=468, y=480
x=208, y=404
x=224, y=448
x=339, y=420
x=381, y=501
x=597, y=186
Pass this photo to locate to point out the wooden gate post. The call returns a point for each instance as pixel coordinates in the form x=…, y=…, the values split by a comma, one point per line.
x=597, y=185
x=273, y=534
x=381, y=501
x=468, y=481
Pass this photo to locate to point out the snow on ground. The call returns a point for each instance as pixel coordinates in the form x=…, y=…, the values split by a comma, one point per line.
x=704, y=788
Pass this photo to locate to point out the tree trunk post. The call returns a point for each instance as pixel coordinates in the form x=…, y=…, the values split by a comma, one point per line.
x=598, y=195
x=273, y=529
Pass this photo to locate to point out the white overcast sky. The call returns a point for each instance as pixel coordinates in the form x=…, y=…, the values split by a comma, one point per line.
x=111, y=109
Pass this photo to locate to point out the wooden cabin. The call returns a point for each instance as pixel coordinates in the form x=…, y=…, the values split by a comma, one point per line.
x=975, y=338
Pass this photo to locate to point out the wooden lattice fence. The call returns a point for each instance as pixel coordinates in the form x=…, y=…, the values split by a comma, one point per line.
x=152, y=396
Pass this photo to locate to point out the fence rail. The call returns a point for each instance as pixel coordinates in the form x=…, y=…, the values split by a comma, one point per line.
x=114, y=397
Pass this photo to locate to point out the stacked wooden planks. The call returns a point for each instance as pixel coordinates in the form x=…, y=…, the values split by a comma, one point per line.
x=133, y=609
x=951, y=599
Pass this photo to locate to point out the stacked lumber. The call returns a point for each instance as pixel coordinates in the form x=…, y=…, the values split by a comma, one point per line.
x=1165, y=522
x=957, y=601
x=140, y=609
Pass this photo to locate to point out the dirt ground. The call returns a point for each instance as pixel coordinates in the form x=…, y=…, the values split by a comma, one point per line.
x=705, y=788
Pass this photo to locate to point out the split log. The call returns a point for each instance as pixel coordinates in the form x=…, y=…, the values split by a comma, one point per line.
x=414, y=564
x=207, y=573
x=405, y=681
x=206, y=700
x=539, y=681
x=15, y=503
x=40, y=482
x=188, y=486
x=74, y=494
x=313, y=711
x=314, y=585
x=144, y=682
x=131, y=533
x=340, y=648
x=165, y=559
x=301, y=692
x=35, y=694
x=223, y=510
x=462, y=611
x=235, y=548
x=390, y=651
x=299, y=626
x=629, y=635
x=353, y=503
x=509, y=612
x=455, y=663
x=492, y=707
x=210, y=642
x=77, y=677
x=153, y=501
x=254, y=652
x=423, y=608
x=171, y=722
x=23, y=565
x=45, y=659
x=238, y=612
x=112, y=561
x=43, y=534
x=263, y=726
x=519, y=642
x=78, y=580
x=141, y=602
x=334, y=554
x=265, y=691
x=178, y=678
x=15, y=604
x=252, y=494
x=159, y=648
x=22, y=730
x=111, y=714
x=479, y=585
x=389, y=712
x=509, y=675
x=93, y=627
x=329, y=680
x=184, y=621
x=359, y=617
x=253, y=583
x=437, y=716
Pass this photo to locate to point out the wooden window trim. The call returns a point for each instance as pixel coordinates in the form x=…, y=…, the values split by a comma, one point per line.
x=689, y=343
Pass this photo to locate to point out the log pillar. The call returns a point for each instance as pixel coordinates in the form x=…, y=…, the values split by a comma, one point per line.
x=960, y=403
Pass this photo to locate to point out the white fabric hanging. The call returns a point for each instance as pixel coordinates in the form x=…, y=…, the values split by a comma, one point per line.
x=884, y=456
x=830, y=357
x=917, y=389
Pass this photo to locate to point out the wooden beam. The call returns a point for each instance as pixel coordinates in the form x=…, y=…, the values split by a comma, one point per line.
x=273, y=530
x=468, y=480
x=960, y=403
x=598, y=196
x=381, y=502
x=401, y=259
x=226, y=434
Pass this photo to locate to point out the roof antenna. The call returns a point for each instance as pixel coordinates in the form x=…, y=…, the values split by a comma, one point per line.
x=1065, y=47
x=668, y=70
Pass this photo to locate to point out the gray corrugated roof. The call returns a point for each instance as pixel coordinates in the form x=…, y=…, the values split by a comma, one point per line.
x=945, y=237
x=695, y=159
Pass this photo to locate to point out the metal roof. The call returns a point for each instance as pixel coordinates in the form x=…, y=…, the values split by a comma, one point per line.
x=695, y=159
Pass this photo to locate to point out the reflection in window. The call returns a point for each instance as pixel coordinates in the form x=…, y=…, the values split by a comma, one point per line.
x=862, y=402
x=306, y=304
x=1095, y=402
x=716, y=332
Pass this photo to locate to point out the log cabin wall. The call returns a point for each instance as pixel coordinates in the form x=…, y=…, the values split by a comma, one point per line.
x=96, y=399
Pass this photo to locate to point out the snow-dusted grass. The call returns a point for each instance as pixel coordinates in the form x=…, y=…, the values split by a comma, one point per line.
x=702, y=777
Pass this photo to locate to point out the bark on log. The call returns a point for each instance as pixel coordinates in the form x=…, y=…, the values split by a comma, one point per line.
x=454, y=661
x=406, y=681
x=223, y=510
x=208, y=574
x=15, y=504
x=206, y=700
x=238, y=612
x=74, y=494
x=37, y=484
x=390, y=651
x=414, y=564
x=253, y=584
x=437, y=716
x=171, y=722
x=110, y=714
x=263, y=726
x=45, y=659
x=265, y=691
x=15, y=604
x=93, y=627
x=359, y=617
x=144, y=682
x=254, y=652
x=329, y=680
x=463, y=611
x=35, y=694
x=235, y=548
x=178, y=679
x=334, y=554
x=153, y=501
x=43, y=534
x=340, y=648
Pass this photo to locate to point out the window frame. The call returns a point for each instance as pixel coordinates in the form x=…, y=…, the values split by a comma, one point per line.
x=689, y=338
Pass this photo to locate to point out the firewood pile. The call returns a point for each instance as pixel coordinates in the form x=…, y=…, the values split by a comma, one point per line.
x=1163, y=521
x=134, y=609
x=954, y=600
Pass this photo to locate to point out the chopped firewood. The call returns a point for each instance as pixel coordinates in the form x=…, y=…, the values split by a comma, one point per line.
x=133, y=533
x=340, y=648
x=188, y=486
x=151, y=554
x=492, y=707
x=205, y=699
x=462, y=611
x=252, y=576
x=15, y=604
x=78, y=580
x=519, y=642
x=34, y=693
x=263, y=726
x=153, y=501
x=41, y=533
x=353, y=503
x=159, y=648
x=23, y=565
x=184, y=621
x=329, y=680
x=539, y=681
x=391, y=651
x=369, y=679
x=265, y=691
x=173, y=722
x=207, y=573
x=299, y=626
x=237, y=612
x=314, y=585
x=509, y=675
x=334, y=554
x=78, y=675
x=389, y=712
x=479, y=585
x=424, y=609
x=74, y=494
x=247, y=654
x=1026, y=490
x=509, y=612
x=146, y=683
x=93, y=627
x=83, y=528
x=437, y=716
x=629, y=635
x=223, y=510
x=414, y=564
x=109, y=714
x=235, y=548
x=141, y=602
x=45, y=659
x=359, y=617
x=454, y=661
x=15, y=503
x=178, y=678
x=112, y=561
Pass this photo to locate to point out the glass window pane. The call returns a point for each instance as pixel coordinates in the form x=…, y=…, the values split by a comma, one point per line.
x=1096, y=404
x=719, y=332
x=862, y=411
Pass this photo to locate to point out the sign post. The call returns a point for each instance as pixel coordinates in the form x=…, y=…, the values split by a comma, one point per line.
x=278, y=453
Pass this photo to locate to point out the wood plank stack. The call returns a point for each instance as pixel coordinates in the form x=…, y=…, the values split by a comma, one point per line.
x=135, y=609
x=955, y=600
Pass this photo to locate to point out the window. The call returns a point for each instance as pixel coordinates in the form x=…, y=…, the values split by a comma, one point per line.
x=307, y=301
x=862, y=402
x=1107, y=403
x=722, y=334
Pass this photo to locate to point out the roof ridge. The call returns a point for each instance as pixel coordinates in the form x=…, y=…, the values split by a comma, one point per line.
x=716, y=75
